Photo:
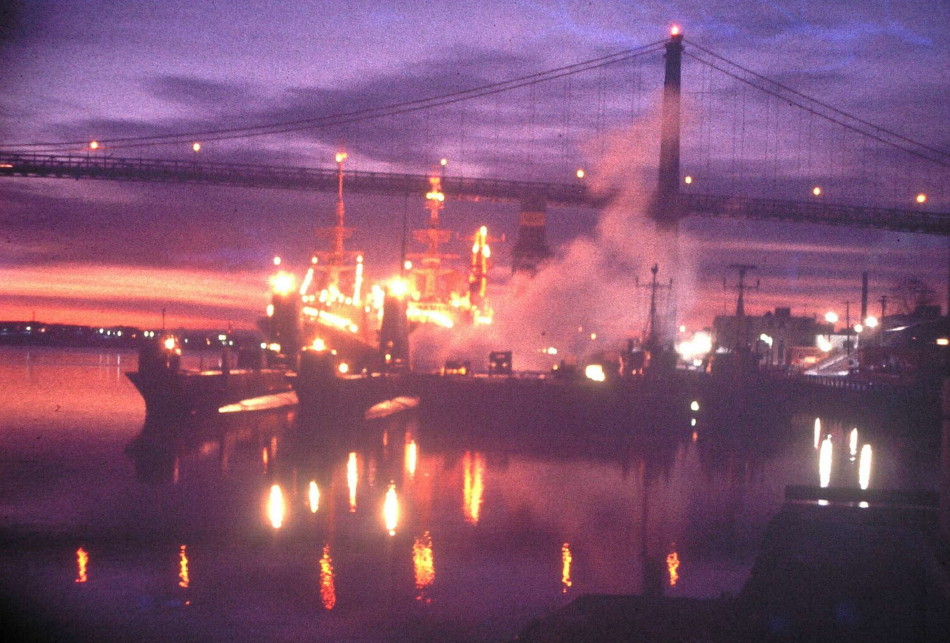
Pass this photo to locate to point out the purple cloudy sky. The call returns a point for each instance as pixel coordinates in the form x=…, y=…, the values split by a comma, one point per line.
x=101, y=252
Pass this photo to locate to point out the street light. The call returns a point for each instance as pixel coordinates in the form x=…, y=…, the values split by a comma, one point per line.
x=847, y=323
x=831, y=317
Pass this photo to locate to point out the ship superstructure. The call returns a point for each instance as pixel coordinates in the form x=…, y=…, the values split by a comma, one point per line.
x=437, y=293
x=336, y=308
x=330, y=307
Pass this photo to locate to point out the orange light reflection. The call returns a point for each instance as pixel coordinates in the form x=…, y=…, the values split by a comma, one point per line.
x=351, y=479
x=276, y=509
x=391, y=510
x=864, y=467
x=672, y=566
x=183, y=579
x=824, y=463
x=314, y=496
x=412, y=454
x=473, y=471
x=82, y=563
x=566, y=559
x=423, y=565
x=327, y=586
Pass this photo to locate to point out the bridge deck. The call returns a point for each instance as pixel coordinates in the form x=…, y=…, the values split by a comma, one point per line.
x=89, y=166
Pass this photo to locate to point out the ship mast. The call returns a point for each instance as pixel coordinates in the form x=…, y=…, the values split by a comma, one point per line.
x=653, y=327
x=338, y=233
x=433, y=236
x=334, y=259
x=742, y=268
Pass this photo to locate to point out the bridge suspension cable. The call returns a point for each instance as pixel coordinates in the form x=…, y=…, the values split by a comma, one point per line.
x=355, y=116
x=816, y=107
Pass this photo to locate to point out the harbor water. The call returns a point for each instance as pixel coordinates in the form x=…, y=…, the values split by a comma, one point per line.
x=268, y=525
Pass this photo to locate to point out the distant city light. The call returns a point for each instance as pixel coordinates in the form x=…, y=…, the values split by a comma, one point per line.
x=93, y=145
x=921, y=198
x=831, y=317
x=276, y=261
x=871, y=322
x=444, y=162
x=340, y=157
x=859, y=328
x=196, y=146
x=581, y=173
x=688, y=180
x=816, y=191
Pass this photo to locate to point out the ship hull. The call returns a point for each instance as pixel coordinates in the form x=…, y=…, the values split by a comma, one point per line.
x=465, y=403
x=176, y=393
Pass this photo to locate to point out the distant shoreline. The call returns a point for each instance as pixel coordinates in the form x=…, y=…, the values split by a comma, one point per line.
x=35, y=333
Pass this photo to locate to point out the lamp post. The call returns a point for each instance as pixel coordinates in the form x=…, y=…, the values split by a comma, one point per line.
x=832, y=318
x=847, y=322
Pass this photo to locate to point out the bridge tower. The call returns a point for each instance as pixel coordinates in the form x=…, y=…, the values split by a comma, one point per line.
x=666, y=205
x=530, y=247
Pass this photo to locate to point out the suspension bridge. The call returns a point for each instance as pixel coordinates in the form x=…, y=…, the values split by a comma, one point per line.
x=754, y=148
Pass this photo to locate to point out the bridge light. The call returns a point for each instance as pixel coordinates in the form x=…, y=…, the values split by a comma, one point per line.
x=196, y=146
x=581, y=173
x=816, y=191
x=93, y=145
x=921, y=198
x=688, y=180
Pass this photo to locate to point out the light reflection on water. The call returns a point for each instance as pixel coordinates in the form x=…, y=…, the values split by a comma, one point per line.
x=493, y=529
